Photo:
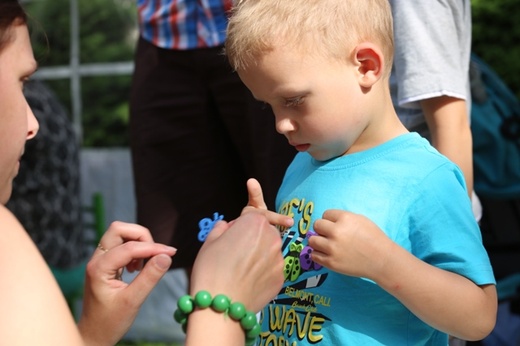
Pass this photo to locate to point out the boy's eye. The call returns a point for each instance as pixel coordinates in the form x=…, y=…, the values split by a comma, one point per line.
x=294, y=101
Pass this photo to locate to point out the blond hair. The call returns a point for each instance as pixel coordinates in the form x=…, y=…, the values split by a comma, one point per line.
x=329, y=28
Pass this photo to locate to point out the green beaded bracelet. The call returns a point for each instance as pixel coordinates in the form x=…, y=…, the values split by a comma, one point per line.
x=220, y=303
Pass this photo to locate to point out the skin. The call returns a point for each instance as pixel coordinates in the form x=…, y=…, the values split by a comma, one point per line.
x=34, y=311
x=304, y=101
x=111, y=305
x=252, y=279
x=18, y=122
x=342, y=108
x=451, y=132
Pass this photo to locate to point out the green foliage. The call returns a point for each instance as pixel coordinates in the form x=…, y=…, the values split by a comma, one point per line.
x=496, y=37
x=106, y=28
x=105, y=120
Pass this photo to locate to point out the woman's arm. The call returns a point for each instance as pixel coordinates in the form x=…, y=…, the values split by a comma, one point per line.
x=33, y=310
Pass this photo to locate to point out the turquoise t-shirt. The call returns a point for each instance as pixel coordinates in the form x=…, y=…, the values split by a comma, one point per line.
x=417, y=197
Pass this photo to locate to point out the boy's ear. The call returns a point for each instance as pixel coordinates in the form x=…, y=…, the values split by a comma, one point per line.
x=370, y=63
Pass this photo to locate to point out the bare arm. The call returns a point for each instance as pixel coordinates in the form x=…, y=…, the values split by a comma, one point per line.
x=33, y=310
x=242, y=260
x=351, y=244
x=444, y=300
x=447, y=119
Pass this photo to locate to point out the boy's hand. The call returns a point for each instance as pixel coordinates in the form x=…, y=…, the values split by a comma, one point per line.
x=349, y=244
x=256, y=203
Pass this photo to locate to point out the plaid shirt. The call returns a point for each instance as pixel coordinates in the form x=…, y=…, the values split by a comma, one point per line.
x=183, y=24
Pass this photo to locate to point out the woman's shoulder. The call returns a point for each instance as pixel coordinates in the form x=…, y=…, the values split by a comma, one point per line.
x=11, y=229
x=16, y=246
x=30, y=295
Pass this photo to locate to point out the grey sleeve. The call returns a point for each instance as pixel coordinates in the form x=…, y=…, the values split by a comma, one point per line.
x=432, y=49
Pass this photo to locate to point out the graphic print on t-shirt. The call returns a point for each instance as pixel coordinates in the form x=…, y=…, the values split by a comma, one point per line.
x=295, y=312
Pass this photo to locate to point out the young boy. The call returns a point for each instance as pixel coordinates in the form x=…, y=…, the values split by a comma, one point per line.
x=384, y=249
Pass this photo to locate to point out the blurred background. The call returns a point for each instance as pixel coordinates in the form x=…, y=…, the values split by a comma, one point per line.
x=85, y=52
x=87, y=61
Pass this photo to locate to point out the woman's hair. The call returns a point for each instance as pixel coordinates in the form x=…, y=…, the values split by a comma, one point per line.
x=329, y=28
x=11, y=13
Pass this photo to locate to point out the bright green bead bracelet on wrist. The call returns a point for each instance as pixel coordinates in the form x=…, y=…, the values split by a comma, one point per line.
x=220, y=303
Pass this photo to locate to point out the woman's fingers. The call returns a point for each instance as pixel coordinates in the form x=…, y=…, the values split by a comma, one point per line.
x=108, y=263
x=148, y=278
x=121, y=232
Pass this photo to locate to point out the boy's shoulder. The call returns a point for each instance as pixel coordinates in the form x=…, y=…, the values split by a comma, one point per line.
x=409, y=156
x=415, y=156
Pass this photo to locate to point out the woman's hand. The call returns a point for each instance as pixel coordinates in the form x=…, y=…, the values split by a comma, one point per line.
x=257, y=204
x=111, y=305
x=242, y=260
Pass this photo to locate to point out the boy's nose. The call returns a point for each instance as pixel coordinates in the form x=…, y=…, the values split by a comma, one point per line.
x=284, y=125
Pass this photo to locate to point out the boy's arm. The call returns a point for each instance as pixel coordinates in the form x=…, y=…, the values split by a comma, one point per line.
x=353, y=245
x=450, y=130
x=445, y=300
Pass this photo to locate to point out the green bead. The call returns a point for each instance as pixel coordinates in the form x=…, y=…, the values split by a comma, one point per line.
x=254, y=332
x=237, y=311
x=179, y=316
x=248, y=321
x=185, y=304
x=203, y=299
x=250, y=341
x=184, y=327
x=220, y=303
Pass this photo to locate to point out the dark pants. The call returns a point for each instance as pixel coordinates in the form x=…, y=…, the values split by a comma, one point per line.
x=196, y=136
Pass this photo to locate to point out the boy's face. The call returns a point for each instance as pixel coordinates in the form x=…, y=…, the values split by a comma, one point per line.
x=317, y=101
x=17, y=122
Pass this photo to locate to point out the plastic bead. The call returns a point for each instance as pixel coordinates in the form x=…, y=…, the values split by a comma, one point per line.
x=220, y=303
x=179, y=316
x=248, y=321
x=237, y=311
x=203, y=299
x=185, y=304
x=254, y=332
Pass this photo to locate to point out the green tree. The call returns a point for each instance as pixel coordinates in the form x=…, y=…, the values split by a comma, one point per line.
x=496, y=37
x=106, y=29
